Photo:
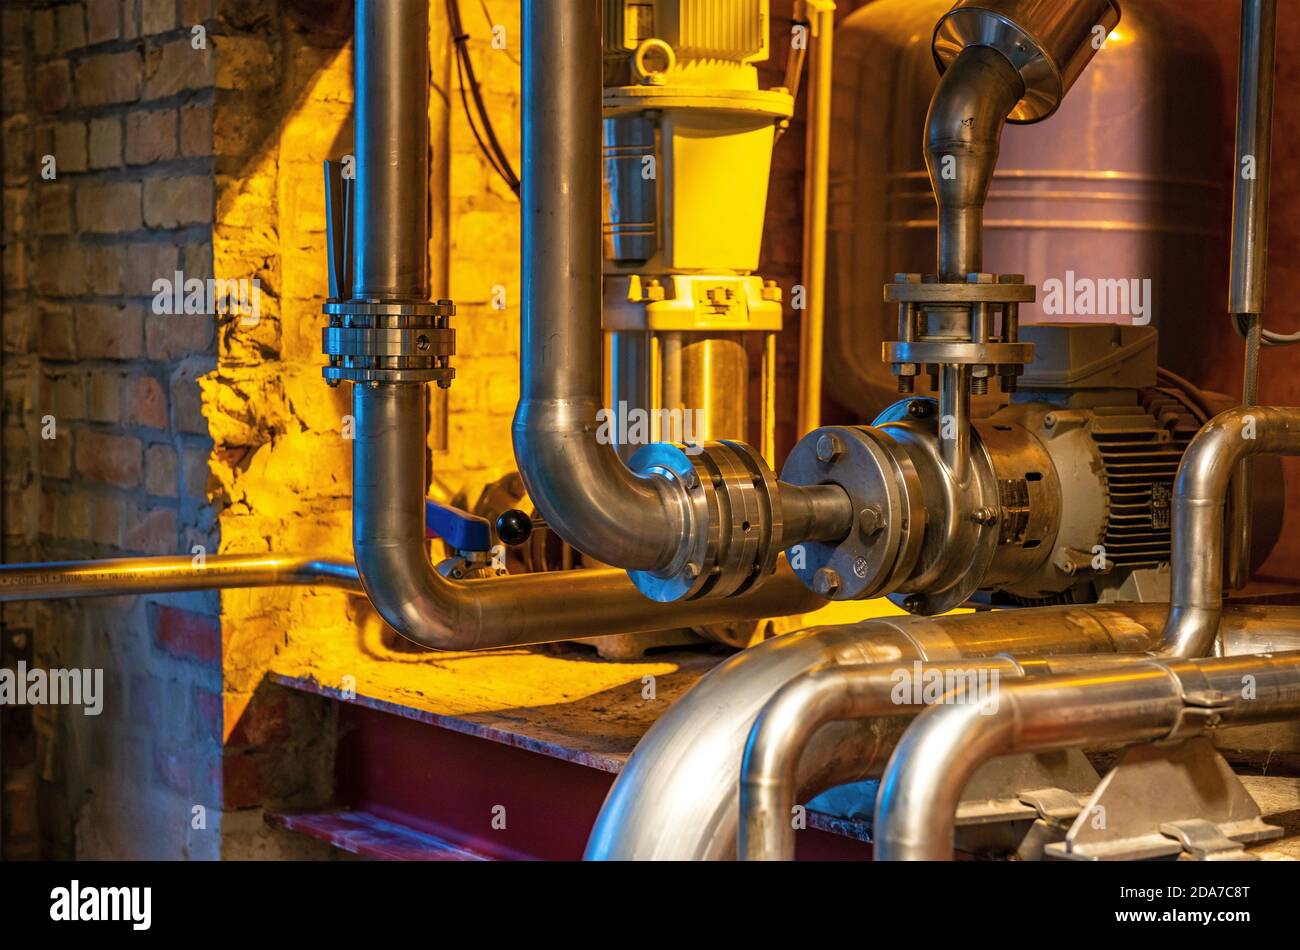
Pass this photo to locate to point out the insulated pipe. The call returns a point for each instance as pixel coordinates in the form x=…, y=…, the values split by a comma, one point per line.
x=963, y=135
x=580, y=486
x=946, y=745
x=1200, y=493
x=114, y=577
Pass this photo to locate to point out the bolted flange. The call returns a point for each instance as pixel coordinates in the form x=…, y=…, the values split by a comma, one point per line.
x=389, y=342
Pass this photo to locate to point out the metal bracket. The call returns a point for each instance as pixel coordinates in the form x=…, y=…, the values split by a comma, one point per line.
x=1164, y=800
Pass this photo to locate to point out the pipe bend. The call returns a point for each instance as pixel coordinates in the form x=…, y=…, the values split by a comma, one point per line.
x=585, y=492
x=963, y=132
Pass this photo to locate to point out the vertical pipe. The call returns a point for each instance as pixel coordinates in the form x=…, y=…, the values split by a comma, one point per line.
x=954, y=419
x=812, y=331
x=1250, y=197
x=392, y=120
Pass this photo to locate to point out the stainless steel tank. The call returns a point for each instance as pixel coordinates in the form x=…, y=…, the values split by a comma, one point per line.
x=1123, y=182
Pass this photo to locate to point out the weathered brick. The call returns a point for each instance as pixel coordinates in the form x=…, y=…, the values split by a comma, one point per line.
x=264, y=719
x=107, y=78
x=63, y=395
x=59, y=270
x=55, y=338
x=107, y=332
x=102, y=268
x=157, y=16
x=72, y=518
x=160, y=470
x=175, y=202
x=187, y=635
x=69, y=27
x=244, y=63
x=103, y=22
x=109, y=208
x=106, y=142
x=54, y=209
x=112, y=459
x=187, y=400
x=196, y=130
x=195, y=472
x=175, y=67
x=70, y=146
x=146, y=263
x=146, y=403
x=43, y=31
x=56, y=456
x=153, y=533
x=171, y=336
x=105, y=399
x=130, y=19
x=150, y=136
x=53, y=83
x=208, y=711
x=106, y=520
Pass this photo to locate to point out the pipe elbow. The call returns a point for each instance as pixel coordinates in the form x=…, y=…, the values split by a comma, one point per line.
x=584, y=491
x=414, y=599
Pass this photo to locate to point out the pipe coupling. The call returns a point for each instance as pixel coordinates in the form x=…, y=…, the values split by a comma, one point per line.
x=389, y=342
x=1049, y=44
x=731, y=515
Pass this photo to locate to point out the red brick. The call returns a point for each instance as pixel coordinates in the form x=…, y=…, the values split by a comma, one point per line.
x=150, y=136
x=54, y=209
x=153, y=533
x=187, y=635
x=56, y=457
x=264, y=719
x=187, y=771
x=146, y=403
x=157, y=16
x=108, y=78
x=187, y=400
x=70, y=146
x=106, y=520
x=195, y=472
x=208, y=712
x=241, y=780
x=111, y=459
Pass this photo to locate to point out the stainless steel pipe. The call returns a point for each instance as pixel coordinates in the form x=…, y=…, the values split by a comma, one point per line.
x=963, y=135
x=115, y=577
x=1254, y=157
x=580, y=486
x=1200, y=495
x=948, y=742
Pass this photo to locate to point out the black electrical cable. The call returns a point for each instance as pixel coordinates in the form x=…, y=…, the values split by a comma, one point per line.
x=487, y=139
x=1268, y=338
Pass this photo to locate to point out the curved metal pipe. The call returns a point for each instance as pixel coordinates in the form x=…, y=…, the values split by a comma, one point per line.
x=769, y=771
x=677, y=796
x=1200, y=495
x=580, y=487
x=963, y=135
x=443, y=614
x=948, y=742
x=113, y=577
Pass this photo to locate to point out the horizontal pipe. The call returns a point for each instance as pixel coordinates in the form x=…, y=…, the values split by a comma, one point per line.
x=677, y=797
x=1200, y=496
x=114, y=577
x=443, y=614
x=948, y=742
